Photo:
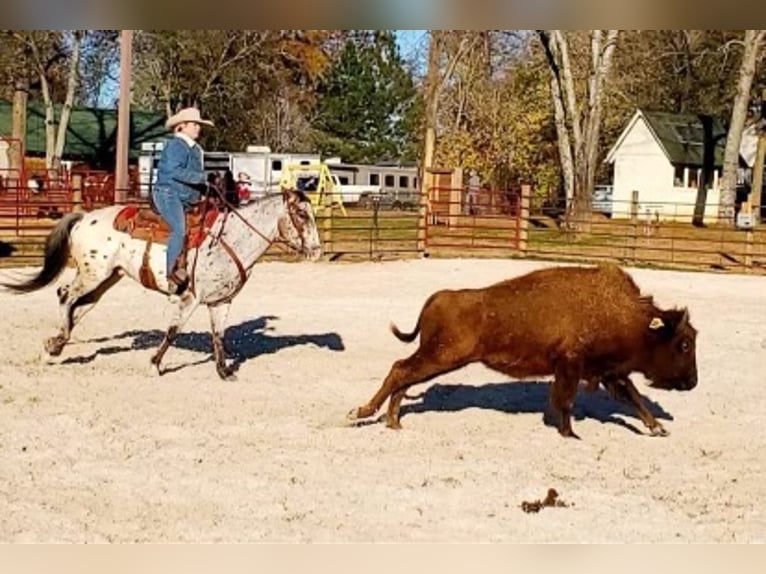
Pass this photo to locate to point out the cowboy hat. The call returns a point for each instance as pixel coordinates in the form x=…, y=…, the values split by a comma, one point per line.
x=186, y=115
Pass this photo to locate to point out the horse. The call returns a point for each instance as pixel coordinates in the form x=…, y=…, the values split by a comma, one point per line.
x=221, y=261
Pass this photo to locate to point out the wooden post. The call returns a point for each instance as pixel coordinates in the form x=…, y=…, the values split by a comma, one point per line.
x=753, y=202
x=523, y=221
x=77, y=192
x=18, y=131
x=327, y=210
x=425, y=187
x=634, y=224
x=749, y=238
x=455, y=197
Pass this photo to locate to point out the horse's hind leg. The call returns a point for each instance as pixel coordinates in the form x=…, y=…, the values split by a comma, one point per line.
x=186, y=306
x=75, y=300
x=218, y=315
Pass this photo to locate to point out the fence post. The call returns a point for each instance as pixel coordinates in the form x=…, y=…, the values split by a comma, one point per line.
x=455, y=207
x=522, y=223
x=425, y=189
x=634, y=224
x=749, y=238
x=77, y=192
x=327, y=211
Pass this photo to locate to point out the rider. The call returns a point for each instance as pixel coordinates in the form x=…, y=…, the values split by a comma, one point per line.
x=180, y=178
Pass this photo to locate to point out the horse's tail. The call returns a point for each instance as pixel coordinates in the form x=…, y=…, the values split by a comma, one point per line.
x=56, y=256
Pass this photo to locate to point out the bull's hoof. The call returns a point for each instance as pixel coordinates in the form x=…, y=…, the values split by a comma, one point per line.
x=353, y=415
x=659, y=430
x=364, y=412
x=394, y=424
x=568, y=433
x=156, y=366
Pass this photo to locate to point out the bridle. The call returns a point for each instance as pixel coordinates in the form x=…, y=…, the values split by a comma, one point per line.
x=295, y=219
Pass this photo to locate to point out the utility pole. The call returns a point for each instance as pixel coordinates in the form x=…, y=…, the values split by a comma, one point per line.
x=121, y=180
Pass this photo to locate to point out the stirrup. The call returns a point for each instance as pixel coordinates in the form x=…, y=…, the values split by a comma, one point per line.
x=178, y=282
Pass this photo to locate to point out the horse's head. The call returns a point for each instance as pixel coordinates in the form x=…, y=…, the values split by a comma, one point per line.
x=297, y=226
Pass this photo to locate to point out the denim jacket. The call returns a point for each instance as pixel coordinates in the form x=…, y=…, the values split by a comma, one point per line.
x=179, y=170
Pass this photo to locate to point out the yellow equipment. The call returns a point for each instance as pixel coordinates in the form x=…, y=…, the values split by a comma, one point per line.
x=315, y=180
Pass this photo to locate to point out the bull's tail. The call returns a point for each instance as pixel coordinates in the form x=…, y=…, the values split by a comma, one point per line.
x=56, y=256
x=405, y=337
x=410, y=337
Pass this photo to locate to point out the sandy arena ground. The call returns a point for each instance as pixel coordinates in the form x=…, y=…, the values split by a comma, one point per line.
x=98, y=449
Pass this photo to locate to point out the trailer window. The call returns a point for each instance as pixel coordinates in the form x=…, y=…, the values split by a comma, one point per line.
x=374, y=179
x=404, y=181
x=389, y=181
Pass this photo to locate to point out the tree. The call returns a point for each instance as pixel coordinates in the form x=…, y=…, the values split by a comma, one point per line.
x=256, y=85
x=366, y=101
x=578, y=123
x=752, y=45
x=52, y=53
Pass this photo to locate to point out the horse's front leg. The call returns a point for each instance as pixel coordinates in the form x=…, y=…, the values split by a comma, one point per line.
x=218, y=316
x=186, y=306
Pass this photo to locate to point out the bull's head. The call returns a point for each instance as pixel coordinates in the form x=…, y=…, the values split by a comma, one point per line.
x=672, y=351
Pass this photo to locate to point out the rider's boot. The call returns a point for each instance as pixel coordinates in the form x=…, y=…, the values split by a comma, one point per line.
x=178, y=280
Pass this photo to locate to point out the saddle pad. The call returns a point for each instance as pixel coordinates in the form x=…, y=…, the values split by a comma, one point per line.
x=145, y=224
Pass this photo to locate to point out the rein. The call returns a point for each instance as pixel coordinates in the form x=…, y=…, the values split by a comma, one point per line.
x=228, y=249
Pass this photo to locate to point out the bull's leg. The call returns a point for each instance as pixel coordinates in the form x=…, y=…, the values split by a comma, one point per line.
x=218, y=315
x=623, y=389
x=563, y=391
x=75, y=300
x=418, y=368
x=187, y=304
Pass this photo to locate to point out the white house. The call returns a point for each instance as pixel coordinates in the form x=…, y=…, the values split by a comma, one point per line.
x=660, y=156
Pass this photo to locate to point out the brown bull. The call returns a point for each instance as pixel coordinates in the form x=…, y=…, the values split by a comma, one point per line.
x=574, y=323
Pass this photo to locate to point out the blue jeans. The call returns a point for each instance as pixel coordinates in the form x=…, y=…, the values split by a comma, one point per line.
x=172, y=210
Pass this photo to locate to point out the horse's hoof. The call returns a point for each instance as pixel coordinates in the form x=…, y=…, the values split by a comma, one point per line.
x=47, y=359
x=227, y=374
x=54, y=345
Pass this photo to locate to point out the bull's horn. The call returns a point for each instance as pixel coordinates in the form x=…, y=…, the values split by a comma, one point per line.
x=656, y=323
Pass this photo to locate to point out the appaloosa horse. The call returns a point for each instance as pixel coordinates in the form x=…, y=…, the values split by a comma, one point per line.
x=108, y=243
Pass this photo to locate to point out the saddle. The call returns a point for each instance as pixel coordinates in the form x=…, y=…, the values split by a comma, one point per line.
x=145, y=224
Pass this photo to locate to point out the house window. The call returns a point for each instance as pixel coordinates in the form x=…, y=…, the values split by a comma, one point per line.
x=694, y=177
x=374, y=179
x=678, y=176
x=390, y=181
x=276, y=165
x=404, y=181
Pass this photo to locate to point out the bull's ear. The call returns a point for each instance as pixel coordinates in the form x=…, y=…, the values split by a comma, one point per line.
x=656, y=324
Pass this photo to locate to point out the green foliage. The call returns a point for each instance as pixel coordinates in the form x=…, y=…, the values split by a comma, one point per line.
x=367, y=107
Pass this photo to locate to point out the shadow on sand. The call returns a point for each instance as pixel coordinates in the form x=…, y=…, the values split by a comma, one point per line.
x=243, y=342
x=527, y=397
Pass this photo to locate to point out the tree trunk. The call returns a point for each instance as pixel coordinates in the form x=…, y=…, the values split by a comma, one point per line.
x=66, y=110
x=728, y=193
x=579, y=149
x=708, y=165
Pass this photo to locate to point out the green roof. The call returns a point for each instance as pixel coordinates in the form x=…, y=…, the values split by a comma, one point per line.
x=91, y=134
x=682, y=136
